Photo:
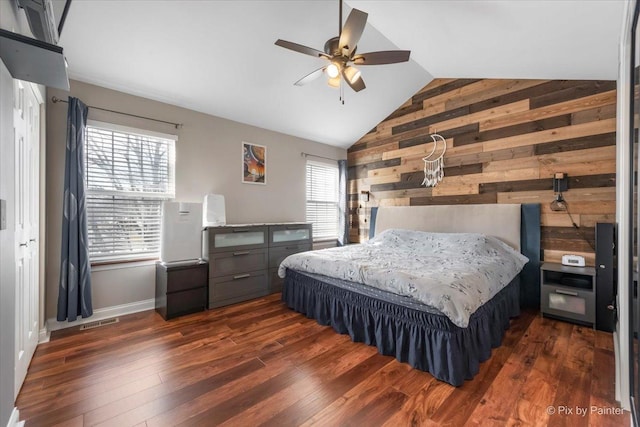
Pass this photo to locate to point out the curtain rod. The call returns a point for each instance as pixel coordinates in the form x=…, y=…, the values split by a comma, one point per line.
x=176, y=125
x=303, y=154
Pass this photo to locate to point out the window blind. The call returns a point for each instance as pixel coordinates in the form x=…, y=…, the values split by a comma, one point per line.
x=322, y=200
x=128, y=175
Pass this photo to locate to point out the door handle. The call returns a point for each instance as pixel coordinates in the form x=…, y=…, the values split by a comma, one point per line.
x=24, y=244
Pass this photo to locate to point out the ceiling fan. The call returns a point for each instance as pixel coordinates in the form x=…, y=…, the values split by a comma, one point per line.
x=341, y=53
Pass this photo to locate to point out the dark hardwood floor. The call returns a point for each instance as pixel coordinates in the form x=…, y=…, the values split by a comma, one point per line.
x=259, y=363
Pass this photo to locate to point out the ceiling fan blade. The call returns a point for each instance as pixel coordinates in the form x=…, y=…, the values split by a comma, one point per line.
x=301, y=49
x=382, y=57
x=352, y=31
x=357, y=86
x=310, y=77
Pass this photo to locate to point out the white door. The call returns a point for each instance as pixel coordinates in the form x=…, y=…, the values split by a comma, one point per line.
x=26, y=121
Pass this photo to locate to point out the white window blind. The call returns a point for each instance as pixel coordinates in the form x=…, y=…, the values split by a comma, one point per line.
x=322, y=200
x=129, y=173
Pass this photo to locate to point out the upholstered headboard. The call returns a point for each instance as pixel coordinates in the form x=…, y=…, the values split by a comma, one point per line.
x=516, y=225
x=499, y=220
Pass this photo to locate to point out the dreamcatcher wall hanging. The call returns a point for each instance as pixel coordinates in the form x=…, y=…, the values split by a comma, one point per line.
x=434, y=162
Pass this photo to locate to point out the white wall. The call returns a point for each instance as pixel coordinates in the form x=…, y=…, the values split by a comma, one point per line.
x=12, y=19
x=208, y=160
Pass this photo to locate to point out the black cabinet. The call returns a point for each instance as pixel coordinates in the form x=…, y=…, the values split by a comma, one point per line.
x=180, y=288
x=606, y=277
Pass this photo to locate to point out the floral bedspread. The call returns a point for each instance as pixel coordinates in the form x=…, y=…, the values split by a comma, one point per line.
x=453, y=272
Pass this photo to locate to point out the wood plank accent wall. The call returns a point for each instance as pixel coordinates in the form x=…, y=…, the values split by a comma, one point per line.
x=505, y=140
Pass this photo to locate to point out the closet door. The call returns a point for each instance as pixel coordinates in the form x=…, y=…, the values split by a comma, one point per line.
x=26, y=118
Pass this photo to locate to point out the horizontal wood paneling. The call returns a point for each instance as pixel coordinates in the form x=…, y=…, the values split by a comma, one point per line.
x=505, y=139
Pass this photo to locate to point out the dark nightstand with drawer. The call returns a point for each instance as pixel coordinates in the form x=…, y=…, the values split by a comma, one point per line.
x=568, y=292
x=181, y=288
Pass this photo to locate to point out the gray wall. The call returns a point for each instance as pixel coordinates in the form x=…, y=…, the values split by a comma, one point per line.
x=208, y=160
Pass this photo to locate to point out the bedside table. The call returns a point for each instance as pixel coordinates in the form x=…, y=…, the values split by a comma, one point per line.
x=181, y=288
x=568, y=293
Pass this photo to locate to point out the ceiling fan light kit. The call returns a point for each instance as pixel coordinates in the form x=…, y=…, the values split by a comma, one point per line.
x=334, y=82
x=333, y=70
x=352, y=74
x=341, y=53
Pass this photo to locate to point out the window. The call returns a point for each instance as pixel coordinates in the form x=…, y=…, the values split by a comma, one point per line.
x=322, y=200
x=129, y=173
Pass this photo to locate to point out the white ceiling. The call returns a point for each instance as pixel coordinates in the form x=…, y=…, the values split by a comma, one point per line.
x=219, y=57
x=523, y=39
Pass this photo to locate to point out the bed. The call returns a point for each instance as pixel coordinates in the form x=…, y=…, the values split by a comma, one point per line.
x=396, y=318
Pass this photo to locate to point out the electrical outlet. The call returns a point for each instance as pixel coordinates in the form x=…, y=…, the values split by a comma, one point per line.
x=3, y=214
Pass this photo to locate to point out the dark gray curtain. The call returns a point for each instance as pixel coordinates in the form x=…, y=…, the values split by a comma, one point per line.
x=74, y=291
x=343, y=211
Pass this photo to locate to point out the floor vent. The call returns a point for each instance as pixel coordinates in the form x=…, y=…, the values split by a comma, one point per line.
x=99, y=323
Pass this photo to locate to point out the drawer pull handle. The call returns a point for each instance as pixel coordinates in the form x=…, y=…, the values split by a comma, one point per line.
x=241, y=276
x=241, y=253
x=239, y=231
x=291, y=248
x=560, y=291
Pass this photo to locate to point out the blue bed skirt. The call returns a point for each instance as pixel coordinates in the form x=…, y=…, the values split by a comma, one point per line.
x=425, y=340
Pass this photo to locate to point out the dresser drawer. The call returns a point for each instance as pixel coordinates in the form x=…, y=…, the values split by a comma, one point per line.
x=569, y=303
x=236, y=238
x=180, y=279
x=228, y=263
x=287, y=235
x=185, y=302
x=278, y=254
x=240, y=287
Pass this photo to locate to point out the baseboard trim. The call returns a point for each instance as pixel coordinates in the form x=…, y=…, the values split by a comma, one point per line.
x=104, y=313
x=44, y=335
x=14, y=419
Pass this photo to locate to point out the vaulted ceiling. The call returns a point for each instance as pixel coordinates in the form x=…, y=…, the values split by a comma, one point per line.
x=219, y=57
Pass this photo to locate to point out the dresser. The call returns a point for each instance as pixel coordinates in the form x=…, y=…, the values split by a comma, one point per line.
x=244, y=258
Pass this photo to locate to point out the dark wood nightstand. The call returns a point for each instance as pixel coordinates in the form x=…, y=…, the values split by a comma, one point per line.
x=181, y=288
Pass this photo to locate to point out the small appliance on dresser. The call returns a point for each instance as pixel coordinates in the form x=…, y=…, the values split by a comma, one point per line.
x=181, y=275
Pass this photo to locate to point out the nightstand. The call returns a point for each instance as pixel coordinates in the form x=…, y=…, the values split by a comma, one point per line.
x=181, y=288
x=568, y=293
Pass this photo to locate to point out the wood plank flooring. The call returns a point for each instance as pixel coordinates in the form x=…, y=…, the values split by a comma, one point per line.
x=259, y=363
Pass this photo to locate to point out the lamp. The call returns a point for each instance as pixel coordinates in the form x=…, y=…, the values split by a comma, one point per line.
x=560, y=184
x=334, y=82
x=352, y=74
x=333, y=70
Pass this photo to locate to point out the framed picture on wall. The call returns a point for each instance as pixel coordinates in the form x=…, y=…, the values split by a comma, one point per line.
x=254, y=163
